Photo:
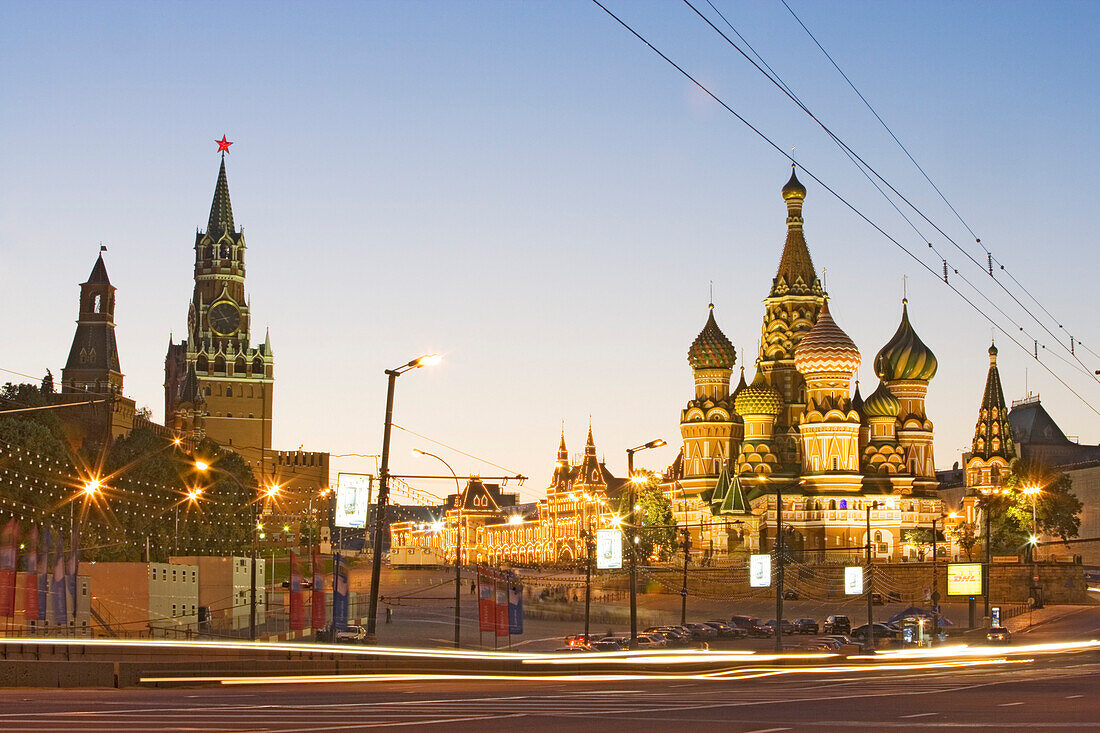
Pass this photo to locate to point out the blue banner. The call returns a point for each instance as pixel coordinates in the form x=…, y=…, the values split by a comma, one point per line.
x=515, y=607
x=339, y=593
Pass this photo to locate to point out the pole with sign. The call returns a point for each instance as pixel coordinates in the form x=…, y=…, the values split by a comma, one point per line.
x=760, y=571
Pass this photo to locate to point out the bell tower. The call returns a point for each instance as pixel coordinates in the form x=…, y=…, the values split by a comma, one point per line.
x=93, y=364
x=234, y=378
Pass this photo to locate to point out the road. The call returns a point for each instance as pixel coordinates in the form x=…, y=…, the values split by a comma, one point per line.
x=1054, y=693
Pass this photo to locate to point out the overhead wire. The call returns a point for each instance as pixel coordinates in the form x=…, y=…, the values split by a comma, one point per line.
x=943, y=197
x=835, y=193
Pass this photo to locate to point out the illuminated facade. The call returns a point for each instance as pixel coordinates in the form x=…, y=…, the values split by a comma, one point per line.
x=496, y=529
x=800, y=430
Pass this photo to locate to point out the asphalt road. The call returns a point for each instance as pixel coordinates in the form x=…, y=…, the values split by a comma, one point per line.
x=1050, y=694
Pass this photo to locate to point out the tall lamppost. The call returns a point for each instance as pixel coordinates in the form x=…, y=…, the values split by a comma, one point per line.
x=633, y=483
x=458, y=545
x=384, y=486
x=1033, y=492
x=870, y=637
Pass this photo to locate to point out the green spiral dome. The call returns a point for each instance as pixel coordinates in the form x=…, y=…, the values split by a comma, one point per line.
x=882, y=403
x=905, y=356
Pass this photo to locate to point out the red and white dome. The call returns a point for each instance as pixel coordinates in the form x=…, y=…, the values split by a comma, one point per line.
x=826, y=348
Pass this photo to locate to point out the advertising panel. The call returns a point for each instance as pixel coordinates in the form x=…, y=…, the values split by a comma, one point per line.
x=486, y=600
x=515, y=607
x=760, y=571
x=609, y=549
x=352, y=499
x=964, y=579
x=853, y=580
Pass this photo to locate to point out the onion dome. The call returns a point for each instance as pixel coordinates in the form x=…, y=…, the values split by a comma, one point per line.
x=711, y=349
x=826, y=348
x=759, y=398
x=905, y=356
x=993, y=349
x=794, y=188
x=882, y=403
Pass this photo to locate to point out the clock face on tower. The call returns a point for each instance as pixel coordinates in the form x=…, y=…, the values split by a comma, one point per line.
x=224, y=318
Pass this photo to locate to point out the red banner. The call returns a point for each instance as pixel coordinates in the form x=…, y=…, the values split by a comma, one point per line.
x=487, y=599
x=297, y=604
x=30, y=580
x=317, y=596
x=502, y=606
x=8, y=551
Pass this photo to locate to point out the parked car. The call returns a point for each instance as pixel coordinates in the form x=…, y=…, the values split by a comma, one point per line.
x=790, y=595
x=999, y=635
x=576, y=648
x=650, y=641
x=823, y=643
x=607, y=645
x=837, y=625
x=787, y=626
x=702, y=632
x=350, y=633
x=806, y=626
x=882, y=631
x=753, y=626
x=675, y=636
x=727, y=631
x=579, y=639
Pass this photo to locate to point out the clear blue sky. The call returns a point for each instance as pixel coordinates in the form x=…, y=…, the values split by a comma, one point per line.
x=529, y=190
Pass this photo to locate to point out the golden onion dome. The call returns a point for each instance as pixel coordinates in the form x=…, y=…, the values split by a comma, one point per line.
x=882, y=403
x=794, y=188
x=759, y=398
x=711, y=349
x=905, y=356
x=826, y=348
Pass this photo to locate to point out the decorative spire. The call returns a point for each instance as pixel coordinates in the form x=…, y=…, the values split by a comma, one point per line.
x=563, y=453
x=741, y=384
x=796, y=275
x=857, y=399
x=993, y=433
x=711, y=349
x=99, y=271
x=589, y=471
x=905, y=356
x=221, y=210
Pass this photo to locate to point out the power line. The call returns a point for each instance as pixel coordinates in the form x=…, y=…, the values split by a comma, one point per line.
x=832, y=191
x=783, y=87
x=936, y=188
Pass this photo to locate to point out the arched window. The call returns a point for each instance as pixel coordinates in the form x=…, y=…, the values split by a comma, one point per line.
x=229, y=390
x=240, y=365
x=97, y=304
x=208, y=253
x=832, y=505
x=208, y=390
x=995, y=475
x=225, y=252
x=878, y=536
x=843, y=503
x=201, y=364
x=257, y=365
x=219, y=364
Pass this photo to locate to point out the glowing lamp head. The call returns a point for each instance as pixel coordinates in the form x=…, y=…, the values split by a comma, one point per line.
x=437, y=526
x=637, y=480
x=272, y=491
x=428, y=360
x=1033, y=540
x=92, y=487
x=202, y=465
x=194, y=494
x=177, y=441
x=286, y=527
x=1031, y=490
x=515, y=519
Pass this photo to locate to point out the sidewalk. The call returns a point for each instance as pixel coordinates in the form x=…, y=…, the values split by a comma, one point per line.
x=1030, y=620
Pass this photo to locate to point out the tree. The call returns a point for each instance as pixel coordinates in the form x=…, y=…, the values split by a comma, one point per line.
x=658, y=529
x=920, y=538
x=47, y=383
x=966, y=537
x=1056, y=507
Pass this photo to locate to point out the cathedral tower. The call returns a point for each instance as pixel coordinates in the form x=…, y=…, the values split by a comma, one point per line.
x=993, y=450
x=710, y=428
x=791, y=310
x=907, y=365
x=93, y=364
x=232, y=377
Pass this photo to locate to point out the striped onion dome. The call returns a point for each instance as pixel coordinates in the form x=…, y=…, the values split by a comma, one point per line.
x=882, y=403
x=826, y=348
x=759, y=398
x=905, y=356
x=711, y=349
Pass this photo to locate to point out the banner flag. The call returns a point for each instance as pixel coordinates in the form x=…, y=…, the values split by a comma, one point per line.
x=57, y=587
x=317, y=596
x=515, y=606
x=486, y=600
x=502, y=605
x=297, y=603
x=339, y=593
x=8, y=550
x=72, y=566
x=43, y=576
x=30, y=580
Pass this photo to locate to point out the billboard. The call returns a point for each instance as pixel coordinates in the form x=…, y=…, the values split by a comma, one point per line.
x=964, y=579
x=760, y=571
x=352, y=500
x=853, y=580
x=609, y=549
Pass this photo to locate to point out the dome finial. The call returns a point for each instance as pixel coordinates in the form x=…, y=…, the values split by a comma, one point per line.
x=794, y=190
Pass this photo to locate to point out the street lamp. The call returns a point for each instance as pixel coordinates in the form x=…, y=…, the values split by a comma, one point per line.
x=634, y=481
x=870, y=637
x=384, y=485
x=458, y=546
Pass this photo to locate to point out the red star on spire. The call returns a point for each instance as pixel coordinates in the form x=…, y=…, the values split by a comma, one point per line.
x=223, y=145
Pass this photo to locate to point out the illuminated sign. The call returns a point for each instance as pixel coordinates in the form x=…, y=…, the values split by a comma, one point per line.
x=964, y=579
x=609, y=549
x=853, y=580
x=352, y=499
x=760, y=571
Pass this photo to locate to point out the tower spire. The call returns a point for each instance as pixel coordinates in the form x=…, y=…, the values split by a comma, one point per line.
x=796, y=273
x=221, y=209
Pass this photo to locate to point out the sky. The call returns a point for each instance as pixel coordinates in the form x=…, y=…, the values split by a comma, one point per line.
x=530, y=191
